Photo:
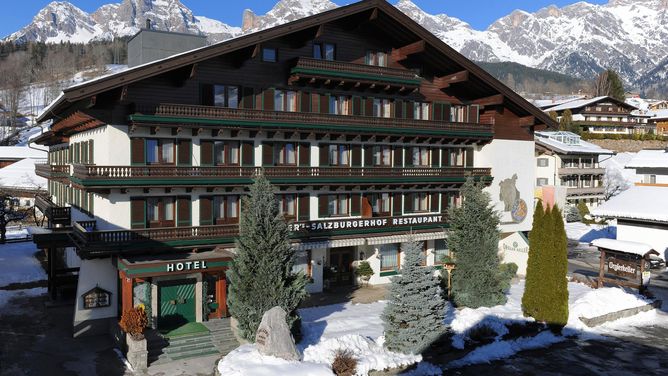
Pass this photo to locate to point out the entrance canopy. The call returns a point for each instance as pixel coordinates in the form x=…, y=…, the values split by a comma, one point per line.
x=621, y=246
x=170, y=264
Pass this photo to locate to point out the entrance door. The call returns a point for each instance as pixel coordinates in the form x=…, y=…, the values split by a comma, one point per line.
x=177, y=303
x=340, y=264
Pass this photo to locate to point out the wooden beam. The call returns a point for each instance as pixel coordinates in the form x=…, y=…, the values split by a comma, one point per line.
x=374, y=15
x=445, y=81
x=92, y=101
x=320, y=31
x=490, y=101
x=193, y=71
x=526, y=121
x=402, y=53
x=124, y=94
x=256, y=51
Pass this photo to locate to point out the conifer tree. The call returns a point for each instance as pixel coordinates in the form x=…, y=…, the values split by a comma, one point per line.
x=474, y=240
x=533, y=273
x=557, y=314
x=413, y=316
x=261, y=275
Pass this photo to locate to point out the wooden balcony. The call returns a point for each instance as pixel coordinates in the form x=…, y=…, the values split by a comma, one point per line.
x=179, y=115
x=57, y=215
x=581, y=171
x=586, y=191
x=50, y=171
x=341, y=72
x=92, y=176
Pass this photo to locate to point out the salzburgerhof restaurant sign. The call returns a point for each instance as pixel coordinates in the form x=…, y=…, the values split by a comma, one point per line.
x=364, y=223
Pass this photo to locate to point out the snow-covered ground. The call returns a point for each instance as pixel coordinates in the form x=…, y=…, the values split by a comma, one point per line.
x=17, y=264
x=584, y=233
x=358, y=327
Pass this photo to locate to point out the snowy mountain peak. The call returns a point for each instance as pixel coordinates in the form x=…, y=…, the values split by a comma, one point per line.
x=57, y=22
x=284, y=11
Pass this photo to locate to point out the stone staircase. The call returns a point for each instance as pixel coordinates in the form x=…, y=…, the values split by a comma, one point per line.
x=219, y=340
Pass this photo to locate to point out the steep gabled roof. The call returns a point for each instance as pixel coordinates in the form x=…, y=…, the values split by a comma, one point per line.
x=105, y=83
x=571, y=105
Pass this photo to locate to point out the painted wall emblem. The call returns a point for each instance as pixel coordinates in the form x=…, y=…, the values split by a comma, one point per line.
x=510, y=196
x=519, y=211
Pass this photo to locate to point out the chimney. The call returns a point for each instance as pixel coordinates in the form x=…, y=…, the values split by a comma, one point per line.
x=148, y=24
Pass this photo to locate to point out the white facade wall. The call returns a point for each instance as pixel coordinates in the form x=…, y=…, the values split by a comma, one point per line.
x=549, y=172
x=101, y=273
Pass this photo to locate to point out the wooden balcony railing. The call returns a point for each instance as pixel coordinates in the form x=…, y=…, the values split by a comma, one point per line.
x=239, y=115
x=574, y=191
x=92, y=173
x=310, y=66
x=57, y=215
x=581, y=171
x=51, y=171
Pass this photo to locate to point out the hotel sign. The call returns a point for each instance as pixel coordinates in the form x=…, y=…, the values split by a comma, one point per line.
x=622, y=268
x=364, y=223
x=186, y=265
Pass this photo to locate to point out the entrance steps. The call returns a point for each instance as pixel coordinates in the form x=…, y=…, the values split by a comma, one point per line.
x=218, y=340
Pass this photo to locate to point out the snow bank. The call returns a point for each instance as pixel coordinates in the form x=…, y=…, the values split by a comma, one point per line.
x=586, y=233
x=17, y=264
x=599, y=302
x=247, y=361
x=7, y=295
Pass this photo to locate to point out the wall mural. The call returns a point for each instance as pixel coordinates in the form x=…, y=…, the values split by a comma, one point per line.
x=510, y=197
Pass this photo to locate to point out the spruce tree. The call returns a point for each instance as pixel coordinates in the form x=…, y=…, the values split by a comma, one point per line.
x=533, y=273
x=261, y=275
x=557, y=314
x=414, y=314
x=474, y=240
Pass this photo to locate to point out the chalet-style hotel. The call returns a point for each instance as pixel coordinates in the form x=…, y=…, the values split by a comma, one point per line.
x=366, y=124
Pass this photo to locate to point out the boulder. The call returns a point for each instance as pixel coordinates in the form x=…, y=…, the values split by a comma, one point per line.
x=273, y=336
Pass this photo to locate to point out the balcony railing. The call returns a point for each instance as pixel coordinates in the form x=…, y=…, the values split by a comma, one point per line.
x=352, y=71
x=573, y=191
x=50, y=171
x=239, y=116
x=91, y=175
x=57, y=215
x=582, y=171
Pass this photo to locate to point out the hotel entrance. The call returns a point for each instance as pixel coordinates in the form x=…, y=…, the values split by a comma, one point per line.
x=339, y=267
x=176, y=303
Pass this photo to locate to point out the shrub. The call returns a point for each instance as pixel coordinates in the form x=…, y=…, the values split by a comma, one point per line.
x=134, y=321
x=481, y=333
x=364, y=270
x=506, y=273
x=573, y=214
x=636, y=136
x=583, y=209
x=344, y=364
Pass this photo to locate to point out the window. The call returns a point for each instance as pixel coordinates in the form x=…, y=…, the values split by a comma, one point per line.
x=420, y=156
x=587, y=163
x=226, y=152
x=285, y=100
x=324, y=51
x=586, y=181
x=421, y=111
x=543, y=162
x=456, y=157
x=338, y=155
x=440, y=250
x=303, y=263
x=382, y=108
x=338, y=205
x=226, y=96
x=541, y=182
x=160, y=211
x=269, y=55
x=159, y=151
x=339, y=105
x=420, y=201
x=226, y=209
x=287, y=205
x=382, y=155
x=380, y=202
x=286, y=154
x=458, y=113
x=378, y=58
x=389, y=257
x=650, y=179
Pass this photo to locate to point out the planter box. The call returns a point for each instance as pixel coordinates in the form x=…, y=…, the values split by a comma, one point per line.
x=137, y=353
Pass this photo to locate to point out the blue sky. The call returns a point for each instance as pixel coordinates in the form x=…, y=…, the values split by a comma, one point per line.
x=478, y=13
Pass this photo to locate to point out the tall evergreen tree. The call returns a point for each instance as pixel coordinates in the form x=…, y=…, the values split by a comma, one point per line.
x=261, y=275
x=558, y=269
x=474, y=240
x=413, y=316
x=534, y=272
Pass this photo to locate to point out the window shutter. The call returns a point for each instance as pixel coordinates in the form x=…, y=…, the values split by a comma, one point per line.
x=324, y=104
x=304, y=207
x=409, y=156
x=408, y=203
x=444, y=202
x=268, y=99
x=304, y=154
x=207, y=96
x=323, y=206
x=205, y=211
x=183, y=211
x=368, y=155
x=184, y=153
x=247, y=153
x=206, y=152
x=410, y=110
x=434, y=202
x=137, y=153
x=91, y=158
x=396, y=204
x=368, y=108
x=398, y=157
x=137, y=212
x=446, y=111
x=474, y=113
x=324, y=155
x=356, y=156
x=445, y=155
x=434, y=157
x=305, y=102
x=398, y=108
x=315, y=102
x=248, y=97
x=355, y=204
x=357, y=106
x=267, y=154
x=469, y=157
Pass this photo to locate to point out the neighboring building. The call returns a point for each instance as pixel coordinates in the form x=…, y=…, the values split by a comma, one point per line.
x=563, y=159
x=17, y=174
x=365, y=122
x=660, y=120
x=12, y=154
x=642, y=216
x=651, y=166
x=604, y=115
x=658, y=105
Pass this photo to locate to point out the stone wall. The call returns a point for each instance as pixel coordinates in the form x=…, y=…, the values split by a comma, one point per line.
x=621, y=146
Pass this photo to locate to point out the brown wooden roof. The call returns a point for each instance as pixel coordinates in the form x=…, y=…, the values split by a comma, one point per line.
x=374, y=7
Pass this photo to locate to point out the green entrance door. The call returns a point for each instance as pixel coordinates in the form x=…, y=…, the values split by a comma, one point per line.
x=177, y=303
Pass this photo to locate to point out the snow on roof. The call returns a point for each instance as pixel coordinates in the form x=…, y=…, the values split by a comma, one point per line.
x=20, y=152
x=640, y=249
x=22, y=175
x=574, y=104
x=542, y=103
x=659, y=114
x=637, y=202
x=649, y=158
x=547, y=139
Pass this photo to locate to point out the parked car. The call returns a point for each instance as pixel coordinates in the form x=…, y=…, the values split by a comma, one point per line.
x=656, y=262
